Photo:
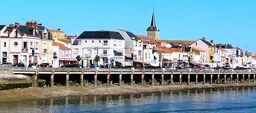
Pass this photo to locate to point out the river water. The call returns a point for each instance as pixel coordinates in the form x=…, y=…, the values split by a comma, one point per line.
x=222, y=100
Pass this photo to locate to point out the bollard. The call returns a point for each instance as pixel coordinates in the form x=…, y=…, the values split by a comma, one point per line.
x=82, y=79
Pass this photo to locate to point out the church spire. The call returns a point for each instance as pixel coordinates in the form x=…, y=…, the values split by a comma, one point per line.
x=153, y=26
x=153, y=20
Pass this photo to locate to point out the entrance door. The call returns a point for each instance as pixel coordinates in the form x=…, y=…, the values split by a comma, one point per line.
x=15, y=59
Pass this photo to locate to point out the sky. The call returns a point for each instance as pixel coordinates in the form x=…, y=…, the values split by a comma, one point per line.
x=223, y=21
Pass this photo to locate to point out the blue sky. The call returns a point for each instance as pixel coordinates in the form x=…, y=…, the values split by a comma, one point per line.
x=224, y=21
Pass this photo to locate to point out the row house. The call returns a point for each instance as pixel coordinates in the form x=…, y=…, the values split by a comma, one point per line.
x=207, y=48
x=21, y=43
x=108, y=45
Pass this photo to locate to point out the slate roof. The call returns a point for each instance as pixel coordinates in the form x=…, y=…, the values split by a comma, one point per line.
x=206, y=42
x=26, y=30
x=100, y=35
x=2, y=26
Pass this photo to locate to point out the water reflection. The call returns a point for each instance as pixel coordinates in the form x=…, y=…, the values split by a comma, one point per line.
x=234, y=99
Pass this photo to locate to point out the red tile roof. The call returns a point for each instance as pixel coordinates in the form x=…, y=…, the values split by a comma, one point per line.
x=61, y=46
x=147, y=38
x=178, y=42
x=167, y=50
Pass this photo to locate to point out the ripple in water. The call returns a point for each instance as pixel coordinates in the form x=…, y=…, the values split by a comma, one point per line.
x=221, y=100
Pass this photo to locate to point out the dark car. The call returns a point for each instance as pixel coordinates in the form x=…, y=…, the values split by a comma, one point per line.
x=6, y=64
x=19, y=65
x=45, y=65
x=34, y=65
x=71, y=66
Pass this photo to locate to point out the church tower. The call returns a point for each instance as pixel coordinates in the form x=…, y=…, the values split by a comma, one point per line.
x=152, y=30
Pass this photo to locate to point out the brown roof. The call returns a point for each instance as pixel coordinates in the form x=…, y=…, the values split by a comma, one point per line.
x=61, y=46
x=168, y=50
x=55, y=30
x=63, y=40
x=147, y=38
x=179, y=42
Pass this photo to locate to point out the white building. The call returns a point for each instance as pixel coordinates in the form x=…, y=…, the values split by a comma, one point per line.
x=108, y=45
x=19, y=44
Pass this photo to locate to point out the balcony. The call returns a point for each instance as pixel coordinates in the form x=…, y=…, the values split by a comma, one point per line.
x=24, y=50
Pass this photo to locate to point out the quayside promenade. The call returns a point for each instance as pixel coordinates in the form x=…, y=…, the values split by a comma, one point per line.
x=137, y=76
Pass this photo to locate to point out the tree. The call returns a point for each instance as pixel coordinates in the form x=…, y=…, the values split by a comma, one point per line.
x=78, y=58
x=97, y=58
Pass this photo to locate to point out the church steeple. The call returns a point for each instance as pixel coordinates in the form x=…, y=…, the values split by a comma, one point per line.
x=152, y=30
x=153, y=20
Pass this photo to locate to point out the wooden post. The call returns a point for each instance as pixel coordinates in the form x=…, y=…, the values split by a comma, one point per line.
x=237, y=77
x=52, y=78
x=162, y=77
x=171, y=78
x=95, y=77
x=218, y=79
x=108, y=76
x=225, y=78
x=34, y=79
x=153, y=78
x=211, y=78
x=82, y=78
x=204, y=78
x=142, y=77
x=67, y=78
x=254, y=77
x=196, y=77
x=120, y=78
x=132, y=76
x=231, y=78
x=180, y=78
x=243, y=77
x=188, y=77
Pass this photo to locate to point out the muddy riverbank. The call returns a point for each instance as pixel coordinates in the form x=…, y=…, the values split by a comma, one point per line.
x=59, y=91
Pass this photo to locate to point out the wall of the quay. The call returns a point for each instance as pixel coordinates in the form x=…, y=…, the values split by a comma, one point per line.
x=77, y=76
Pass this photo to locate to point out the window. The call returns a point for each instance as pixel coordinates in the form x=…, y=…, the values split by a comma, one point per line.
x=4, y=44
x=15, y=43
x=105, y=52
x=85, y=41
x=92, y=41
x=99, y=41
x=31, y=43
x=105, y=42
x=114, y=44
x=45, y=50
x=76, y=51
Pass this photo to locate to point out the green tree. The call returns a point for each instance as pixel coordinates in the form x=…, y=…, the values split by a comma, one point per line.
x=97, y=58
x=78, y=58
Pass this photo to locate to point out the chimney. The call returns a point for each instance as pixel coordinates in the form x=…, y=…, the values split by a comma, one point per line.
x=29, y=24
x=17, y=24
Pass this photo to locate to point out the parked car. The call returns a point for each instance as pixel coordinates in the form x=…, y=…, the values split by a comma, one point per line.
x=33, y=65
x=20, y=64
x=71, y=66
x=6, y=64
x=95, y=66
x=45, y=65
